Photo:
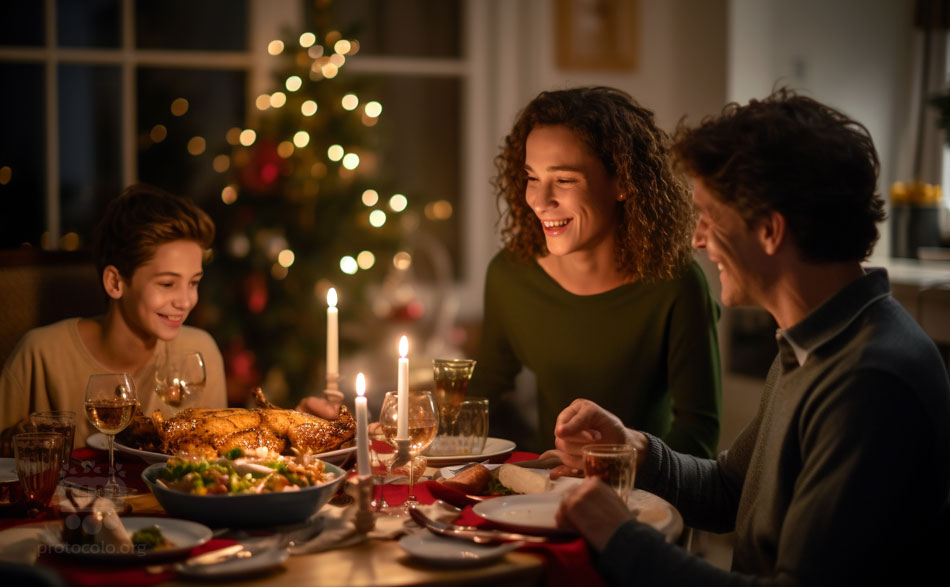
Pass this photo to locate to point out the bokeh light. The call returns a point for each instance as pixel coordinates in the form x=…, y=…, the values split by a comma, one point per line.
x=196, y=145
x=349, y=265
x=285, y=149
x=229, y=194
x=307, y=40
x=370, y=198
x=351, y=161
x=398, y=202
x=221, y=163
x=350, y=102
x=402, y=260
x=365, y=260
x=308, y=108
x=248, y=137
x=179, y=107
x=275, y=47
x=278, y=99
x=335, y=152
x=158, y=133
x=377, y=218
x=293, y=83
x=301, y=139
x=286, y=258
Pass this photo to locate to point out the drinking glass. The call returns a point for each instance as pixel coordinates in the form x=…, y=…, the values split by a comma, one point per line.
x=451, y=377
x=110, y=404
x=180, y=377
x=472, y=424
x=37, y=456
x=614, y=464
x=61, y=422
x=423, y=425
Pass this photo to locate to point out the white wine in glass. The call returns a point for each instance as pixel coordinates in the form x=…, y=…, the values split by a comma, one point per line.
x=110, y=404
x=423, y=426
x=180, y=377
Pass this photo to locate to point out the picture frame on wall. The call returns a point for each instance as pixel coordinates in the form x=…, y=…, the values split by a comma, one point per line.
x=597, y=34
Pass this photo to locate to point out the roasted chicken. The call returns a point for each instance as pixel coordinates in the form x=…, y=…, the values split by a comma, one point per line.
x=208, y=432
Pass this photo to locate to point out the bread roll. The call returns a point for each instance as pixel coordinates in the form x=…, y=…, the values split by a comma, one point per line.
x=473, y=480
x=521, y=480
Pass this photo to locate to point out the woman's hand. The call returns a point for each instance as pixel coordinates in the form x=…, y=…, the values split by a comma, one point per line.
x=319, y=406
x=594, y=510
x=584, y=422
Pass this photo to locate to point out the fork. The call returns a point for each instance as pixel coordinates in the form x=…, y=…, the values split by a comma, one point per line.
x=472, y=533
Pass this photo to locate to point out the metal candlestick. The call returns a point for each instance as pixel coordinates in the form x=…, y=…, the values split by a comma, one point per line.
x=332, y=391
x=365, y=518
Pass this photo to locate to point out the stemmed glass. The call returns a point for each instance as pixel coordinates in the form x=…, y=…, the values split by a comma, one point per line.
x=423, y=425
x=110, y=403
x=180, y=377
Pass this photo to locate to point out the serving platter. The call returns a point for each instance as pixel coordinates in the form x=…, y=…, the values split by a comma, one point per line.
x=101, y=441
x=494, y=448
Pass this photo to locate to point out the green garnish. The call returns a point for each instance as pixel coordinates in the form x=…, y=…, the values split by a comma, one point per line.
x=149, y=538
x=234, y=453
x=495, y=487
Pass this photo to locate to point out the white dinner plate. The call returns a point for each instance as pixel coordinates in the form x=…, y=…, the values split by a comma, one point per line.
x=451, y=552
x=101, y=442
x=183, y=535
x=494, y=447
x=261, y=561
x=531, y=514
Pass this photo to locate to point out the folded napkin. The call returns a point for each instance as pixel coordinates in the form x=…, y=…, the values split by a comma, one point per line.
x=339, y=530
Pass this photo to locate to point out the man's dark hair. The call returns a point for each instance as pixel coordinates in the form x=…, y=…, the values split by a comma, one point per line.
x=799, y=157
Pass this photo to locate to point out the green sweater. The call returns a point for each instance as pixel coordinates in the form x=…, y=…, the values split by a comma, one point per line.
x=647, y=352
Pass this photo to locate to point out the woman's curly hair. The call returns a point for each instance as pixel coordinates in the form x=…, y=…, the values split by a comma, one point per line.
x=653, y=236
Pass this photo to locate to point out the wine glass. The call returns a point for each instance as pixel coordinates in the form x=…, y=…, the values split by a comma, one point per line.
x=423, y=425
x=180, y=377
x=110, y=403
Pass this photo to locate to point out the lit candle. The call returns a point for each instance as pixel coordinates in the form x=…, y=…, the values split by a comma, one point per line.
x=333, y=339
x=402, y=427
x=362, y=433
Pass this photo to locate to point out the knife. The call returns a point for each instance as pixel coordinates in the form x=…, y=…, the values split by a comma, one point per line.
x=207, y=558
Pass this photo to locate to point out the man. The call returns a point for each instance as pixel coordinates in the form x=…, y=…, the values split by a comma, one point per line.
x=843, y=476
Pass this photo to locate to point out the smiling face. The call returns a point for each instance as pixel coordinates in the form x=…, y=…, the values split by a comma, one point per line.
x=733, y=246
x=570, y=192
x=162, y=291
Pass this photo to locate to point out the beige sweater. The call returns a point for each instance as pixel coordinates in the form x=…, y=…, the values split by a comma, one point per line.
x=50, y=366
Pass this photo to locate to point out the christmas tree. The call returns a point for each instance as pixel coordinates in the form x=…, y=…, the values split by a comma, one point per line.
x=307, y=209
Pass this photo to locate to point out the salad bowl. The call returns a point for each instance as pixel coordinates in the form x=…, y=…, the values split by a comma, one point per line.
x=244, y=510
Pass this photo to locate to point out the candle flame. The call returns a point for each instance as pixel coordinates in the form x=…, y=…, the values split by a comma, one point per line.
x=331, y=297
x=360, y=384
x=403, y=347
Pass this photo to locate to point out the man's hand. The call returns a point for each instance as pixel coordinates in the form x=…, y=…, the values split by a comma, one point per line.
x=594, y=510
x=584, y=422
x=319, y=406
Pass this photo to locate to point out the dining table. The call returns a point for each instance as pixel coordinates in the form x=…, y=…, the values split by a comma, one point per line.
x=373, y=560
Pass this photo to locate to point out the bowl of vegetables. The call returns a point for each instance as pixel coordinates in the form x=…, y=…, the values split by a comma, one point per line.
x=244, y=490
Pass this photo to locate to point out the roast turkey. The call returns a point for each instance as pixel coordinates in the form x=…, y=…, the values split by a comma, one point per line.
x=210, y=432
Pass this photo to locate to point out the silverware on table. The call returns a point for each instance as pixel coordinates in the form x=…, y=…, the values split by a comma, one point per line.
x=472, y=533
x=208, y=558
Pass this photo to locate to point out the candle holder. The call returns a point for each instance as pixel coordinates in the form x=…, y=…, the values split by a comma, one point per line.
x=365, y=519
x=402, y=453
x=332, y=391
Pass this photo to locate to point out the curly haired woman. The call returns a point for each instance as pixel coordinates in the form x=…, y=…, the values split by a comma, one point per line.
x=595, y=291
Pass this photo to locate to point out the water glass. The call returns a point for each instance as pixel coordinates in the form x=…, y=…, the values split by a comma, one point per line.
x=472, y=425
x=451, y=377
x=38, y=457
x=614, y=464
x=62, y=422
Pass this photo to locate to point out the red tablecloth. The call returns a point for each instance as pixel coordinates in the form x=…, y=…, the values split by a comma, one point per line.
x=567, y=561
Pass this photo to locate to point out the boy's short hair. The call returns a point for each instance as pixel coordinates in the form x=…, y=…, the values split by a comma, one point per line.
x=141, y=219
